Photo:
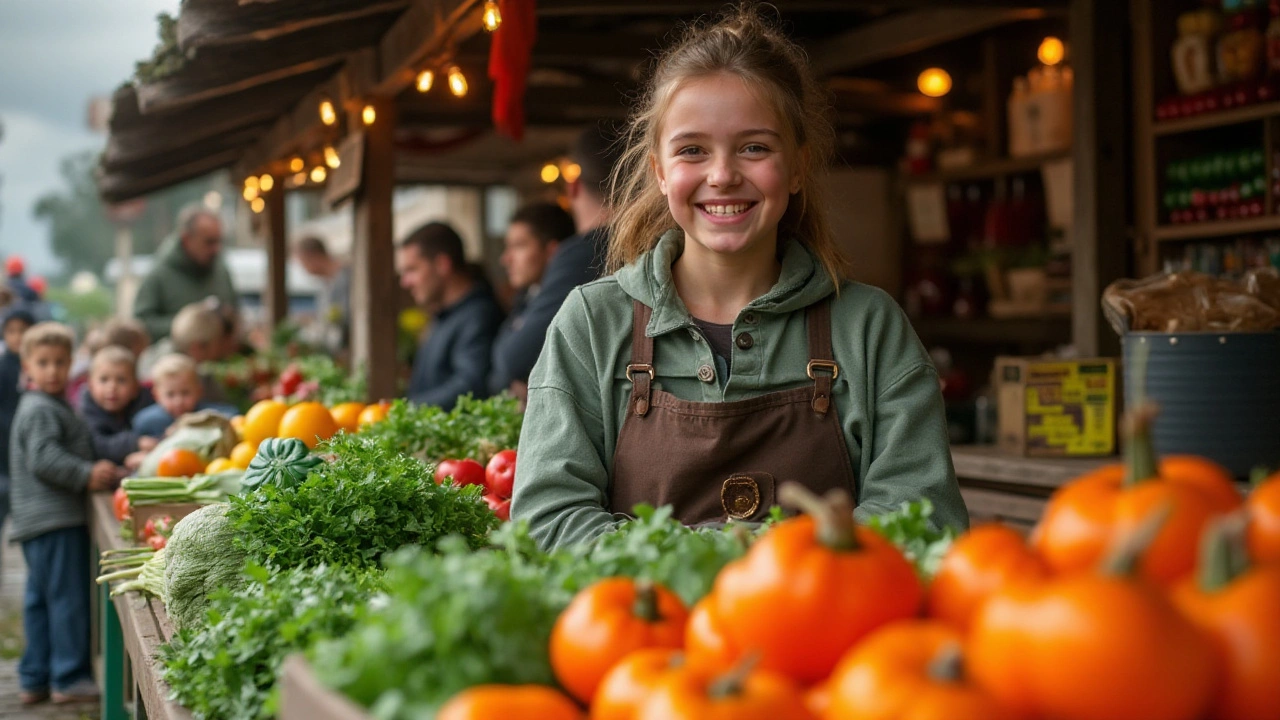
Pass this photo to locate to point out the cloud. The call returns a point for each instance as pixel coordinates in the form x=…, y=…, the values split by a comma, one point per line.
x=57, y=55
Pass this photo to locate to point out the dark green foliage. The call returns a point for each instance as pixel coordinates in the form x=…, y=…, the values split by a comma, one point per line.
x=473, y=429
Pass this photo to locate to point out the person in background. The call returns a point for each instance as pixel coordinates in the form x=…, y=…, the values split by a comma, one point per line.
x=109, y=405
x=454, y=359
x=333, y=308
x=178, y=390
x=532, y=238
x=188, y=269
x=201, y=333
x=16, y=322
x=578, y=260
x=52, y=464
x=15, y=274
x=94, y=340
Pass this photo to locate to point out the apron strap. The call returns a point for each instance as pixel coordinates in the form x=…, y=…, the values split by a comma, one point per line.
x=822, y=368
x=640, y=370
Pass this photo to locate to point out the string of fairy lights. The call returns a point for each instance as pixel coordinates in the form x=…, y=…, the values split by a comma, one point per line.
x=327, y=159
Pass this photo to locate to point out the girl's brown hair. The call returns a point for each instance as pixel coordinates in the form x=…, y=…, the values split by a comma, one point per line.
x=743, y=43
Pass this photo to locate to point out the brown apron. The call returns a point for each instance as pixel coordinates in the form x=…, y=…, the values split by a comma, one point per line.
x=712, y=461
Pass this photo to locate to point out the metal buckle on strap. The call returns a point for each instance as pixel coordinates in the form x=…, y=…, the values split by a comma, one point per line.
x=639, y=367
x=824, y=364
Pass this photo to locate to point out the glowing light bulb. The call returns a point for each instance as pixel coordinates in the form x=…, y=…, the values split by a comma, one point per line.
x=250, y=193
x=550, y=172
x=492, y=17
x=426, y=79
x=368, y=115
x=457, y=81
x=328, y=115
x=318, y=174
x=331, y=157
x=266, y=182
x=296, y=164
x=299, y=179
x=572, y=172
x=251, y=182
x=1052, y=51
x=258, y=205
x=934, y=82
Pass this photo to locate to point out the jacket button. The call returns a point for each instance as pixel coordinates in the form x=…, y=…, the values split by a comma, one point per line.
x=745, y=341
x=697, y=336
x=706, y=373
x=749, y=318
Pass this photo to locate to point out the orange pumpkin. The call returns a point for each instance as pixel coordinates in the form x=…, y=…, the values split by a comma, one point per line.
x=608, y=621
x=1237, y=606
x=1093, y=646
x=309, y=422
x=980, y=562
x=909, y=669
x=347, y=415
x=1084, y=517
x=179, y=462
x=812, y=587
x=508, y=702
x=1264, y=520
x=743, y=694
x=625, y=687
x=706, y=646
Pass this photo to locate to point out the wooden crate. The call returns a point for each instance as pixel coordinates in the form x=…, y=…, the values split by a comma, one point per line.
x=302, y=697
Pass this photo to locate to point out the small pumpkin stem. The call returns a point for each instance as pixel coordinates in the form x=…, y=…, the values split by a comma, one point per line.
x=1124, y=556
x=733, y=682
x=646, y=604
x=1223, y=553
x=1258, y=474
x=833, y=514
x=947, y=665
x=1139, y=453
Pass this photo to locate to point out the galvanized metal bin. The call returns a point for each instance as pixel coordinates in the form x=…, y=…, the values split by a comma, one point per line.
x=1218, y=393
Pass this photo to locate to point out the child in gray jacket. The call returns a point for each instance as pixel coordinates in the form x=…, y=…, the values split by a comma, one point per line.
x=52, y=466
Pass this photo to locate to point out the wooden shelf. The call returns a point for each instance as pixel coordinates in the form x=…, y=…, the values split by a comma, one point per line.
x=988, y=169
x=1215, y=228
x=988, y=463
x=1045, y=330
x=1221, y=118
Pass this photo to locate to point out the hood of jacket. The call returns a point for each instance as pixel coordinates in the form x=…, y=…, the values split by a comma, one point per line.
x=802, y=282
x=173, y=255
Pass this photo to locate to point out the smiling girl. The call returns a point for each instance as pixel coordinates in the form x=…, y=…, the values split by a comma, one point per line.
x=727, y=354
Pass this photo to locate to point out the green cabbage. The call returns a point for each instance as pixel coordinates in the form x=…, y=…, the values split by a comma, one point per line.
x=201, y=558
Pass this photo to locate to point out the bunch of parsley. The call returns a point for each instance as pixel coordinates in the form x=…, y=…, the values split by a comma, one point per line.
x=228, y=667
x=910, y=529
x=350, y=511
x=474, y=429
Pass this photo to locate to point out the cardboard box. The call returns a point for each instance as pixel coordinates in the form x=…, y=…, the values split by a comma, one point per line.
x=1056, y=408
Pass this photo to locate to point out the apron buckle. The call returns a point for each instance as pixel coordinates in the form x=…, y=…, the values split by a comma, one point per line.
x=645, y=368
x=823, y=364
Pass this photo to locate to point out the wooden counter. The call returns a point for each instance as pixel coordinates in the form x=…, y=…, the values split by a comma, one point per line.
x=133, y=628
x=1010, y=488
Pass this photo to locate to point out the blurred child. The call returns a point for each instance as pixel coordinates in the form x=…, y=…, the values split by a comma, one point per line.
x=51, y=461
x=203, y=334
x=112, y=399
x=94, y=340
x=16, y=322
x=178, y=391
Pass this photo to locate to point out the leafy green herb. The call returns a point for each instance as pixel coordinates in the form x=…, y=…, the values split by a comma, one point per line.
x=474, y=429
x=229, y=667
x=366, y=502
x=910, y=529
x=335, y=383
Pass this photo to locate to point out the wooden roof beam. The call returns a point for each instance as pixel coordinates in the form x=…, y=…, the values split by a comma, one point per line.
x=428, y=28
x=908, y=32
x=211, y=23
x=574, y=8
x=118, y=186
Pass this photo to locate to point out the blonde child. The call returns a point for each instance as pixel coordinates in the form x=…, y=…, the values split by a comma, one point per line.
x=110, y=403
x=200, y=331
x=176, y=387
x=728, y=354
x=52, y=464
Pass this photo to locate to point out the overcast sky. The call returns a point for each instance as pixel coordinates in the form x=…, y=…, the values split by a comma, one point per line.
x=54, y=56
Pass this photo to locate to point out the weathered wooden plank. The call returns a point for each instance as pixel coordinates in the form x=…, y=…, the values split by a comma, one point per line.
x=302, y=697
x=908, y=32
x=191, y=153
x=986, y=463
x=995, y=506
x=118, y=187
x=210, y=23
x=577, y=8
x=277, y=254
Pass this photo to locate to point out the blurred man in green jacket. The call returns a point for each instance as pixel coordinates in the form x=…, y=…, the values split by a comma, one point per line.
x=188, y=269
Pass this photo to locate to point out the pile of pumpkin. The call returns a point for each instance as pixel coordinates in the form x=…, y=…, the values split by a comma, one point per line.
x=1148, y=591
x=310, y=422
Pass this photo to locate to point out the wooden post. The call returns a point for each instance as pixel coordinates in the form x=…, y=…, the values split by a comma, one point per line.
x=277, y=296
x=1100, y=241
x=374, y=285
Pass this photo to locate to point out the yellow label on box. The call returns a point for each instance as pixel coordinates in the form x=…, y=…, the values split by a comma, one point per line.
x=1070, y=407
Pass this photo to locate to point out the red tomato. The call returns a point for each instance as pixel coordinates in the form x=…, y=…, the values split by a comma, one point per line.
x=149, y=530
x=500, y=474
x=290, y=379
x=501, y=507
x=120, y=504
x=157, y=541
x=463, y=472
